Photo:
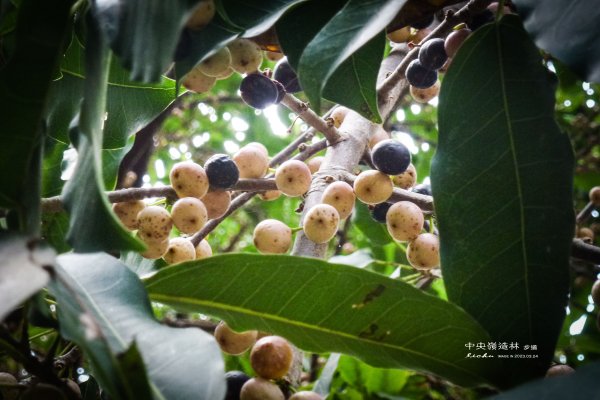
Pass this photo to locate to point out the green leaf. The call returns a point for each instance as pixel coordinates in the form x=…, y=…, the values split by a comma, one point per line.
x=502, y=183
x=323, y=307
x=40, y=33
x=566, y=30
x=100, y=297
x=374, y=380
x=375, y=232
x=351, y=28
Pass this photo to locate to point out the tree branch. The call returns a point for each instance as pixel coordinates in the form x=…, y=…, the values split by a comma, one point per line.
x=311, y=118
x=585, y=252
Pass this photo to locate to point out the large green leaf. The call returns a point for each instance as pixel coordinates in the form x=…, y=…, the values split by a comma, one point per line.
x=325, y=307
x=372, y=380
x=567, y=30
x=92, y=225
x=100, y=298
x=351, y=28
x=502, y=183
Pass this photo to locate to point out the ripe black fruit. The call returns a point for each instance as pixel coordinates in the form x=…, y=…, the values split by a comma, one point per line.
x=379, y=211
x=419, y=76
x=432, y=54
x=221, y=171
x=390, y=157
x=422, y=189
x=258, y=91
x=423, y=23
x=285, y=74
x=235, y=380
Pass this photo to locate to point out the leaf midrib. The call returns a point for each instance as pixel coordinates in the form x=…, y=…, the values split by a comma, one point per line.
x=80, y=76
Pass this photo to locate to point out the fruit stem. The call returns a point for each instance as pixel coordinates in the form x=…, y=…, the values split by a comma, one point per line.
x=296, y=229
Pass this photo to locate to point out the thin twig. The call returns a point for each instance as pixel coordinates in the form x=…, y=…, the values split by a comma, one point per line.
x=585, y=252
x=585, y=213
x=311, y=118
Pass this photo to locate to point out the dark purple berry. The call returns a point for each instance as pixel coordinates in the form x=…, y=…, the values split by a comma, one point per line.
x=258, y=91
x=235, y=380
x=280, y=92
x=423, y=23
x=432, y=54
x=379, y=211
x=419, y=76
x=422, y=189
x=285, y=74
x=390, y=157
x=221, y=171
x=480, y=19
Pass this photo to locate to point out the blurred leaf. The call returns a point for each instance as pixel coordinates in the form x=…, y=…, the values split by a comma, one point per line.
x=323, y=384
x=101, y=302
x=360, y=259
x=52, y=169
x=323, y=307
x=373, y=380
x=54, y=230
x=567, y=30
x=374, y=231
x=505, y=214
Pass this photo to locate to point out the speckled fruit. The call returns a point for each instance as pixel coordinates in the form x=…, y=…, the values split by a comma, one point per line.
x=217, y=64
x=306, y=395
x=559, y=370
x=155, y=249
x=189, y=179
x=391, y=157
x=270, y=195
x=586, y=233
x=221, y=171
x=154, y=224
x=596, y=292
x=404, y=221
x=401, y=35
x=407, y=179
x=425, y=95
x=217, y=203
x=321, y=223
x=424, y=252
x=315, y=163
x=261, y=389
x=197, y=81
x=252, y=162
x=455, y=40
x=258, y=91
x=379, y=212
x=293, y=178
x=595, y=196
x=203, y=250
x=432, y=54
x=128, y=211
x=272, y=237
x=373, y=187
x=235, y=380
x=271, y=357
x=259, y=146
x=338, y=115
x=285, y=74
x=419, y=76
x=341, y=196
x=232, y=342
x=180, y=250
x=189, y=215
x=246, y=56
x=202, y=15
x=274, y=55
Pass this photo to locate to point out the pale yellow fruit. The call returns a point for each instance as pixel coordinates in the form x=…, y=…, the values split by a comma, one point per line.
x=128, y=211
x=379, y=135
x=246, y=56
x=272, y=236
x=189, y=179
x=251, y=162
x=315, y=163
x=273, y=55
x=424, y=252
x=232, y=342
x=305, y=395
x=202, y=15
x=341, y=196
x=154, y=224
x=270, y=195
x=338, y=115
x=259, y=146
x=427, y=94
x=197, y=81
x=217, y=203
x=225, y=74
x=203, y=250
x=271, y=357
x=189, y=215
x=321, y=223
x=407, y=179
x=373, y=187
x=180, y=250
x=595, y=195
x=586, y=233
x=261, y=389
x=401, y=35
x=404, y=221
x=293, y=178
x=217, y=64
x=155, y=249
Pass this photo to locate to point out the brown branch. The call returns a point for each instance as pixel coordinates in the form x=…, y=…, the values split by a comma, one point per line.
x=311, y=118
x=585, y=213
x=585, y=252
x=207, y=326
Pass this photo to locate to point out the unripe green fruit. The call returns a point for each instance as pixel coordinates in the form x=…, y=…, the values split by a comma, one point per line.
x=321, y=223
x=424, y=252
x=232, y=342
x=315, y=163
x=427, y=94
x=596, y=292
x=203, y=250
x=246, y=56
x=559, y=370
x=338, y=115
x=260, y=389
x=407, y=179
x=189, y=179
x=404, y=221
x=271, y=357
x=197, y=81
x=373, y=187
x=6, y=392
x=251, y=162
x=270, y=195
x=128, y=211
x=217, y=64
x=272, y=237
x=154, y=224
x=595, y=196
x=305, y=395
x=341, y=196
x=217, y=203
x=189, y=215
x=180, y=250
x=293, y=178
x=154, y=249
x=202, y=15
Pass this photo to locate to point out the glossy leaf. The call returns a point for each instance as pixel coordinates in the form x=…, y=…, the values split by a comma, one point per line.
x=325, y=307
x=373, y=380
x=355, y=25
x=567, y=31
x=99, y=296
x=502, y=183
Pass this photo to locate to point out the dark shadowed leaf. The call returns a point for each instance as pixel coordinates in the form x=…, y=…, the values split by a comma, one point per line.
x=502, y=183
x=325, y=307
